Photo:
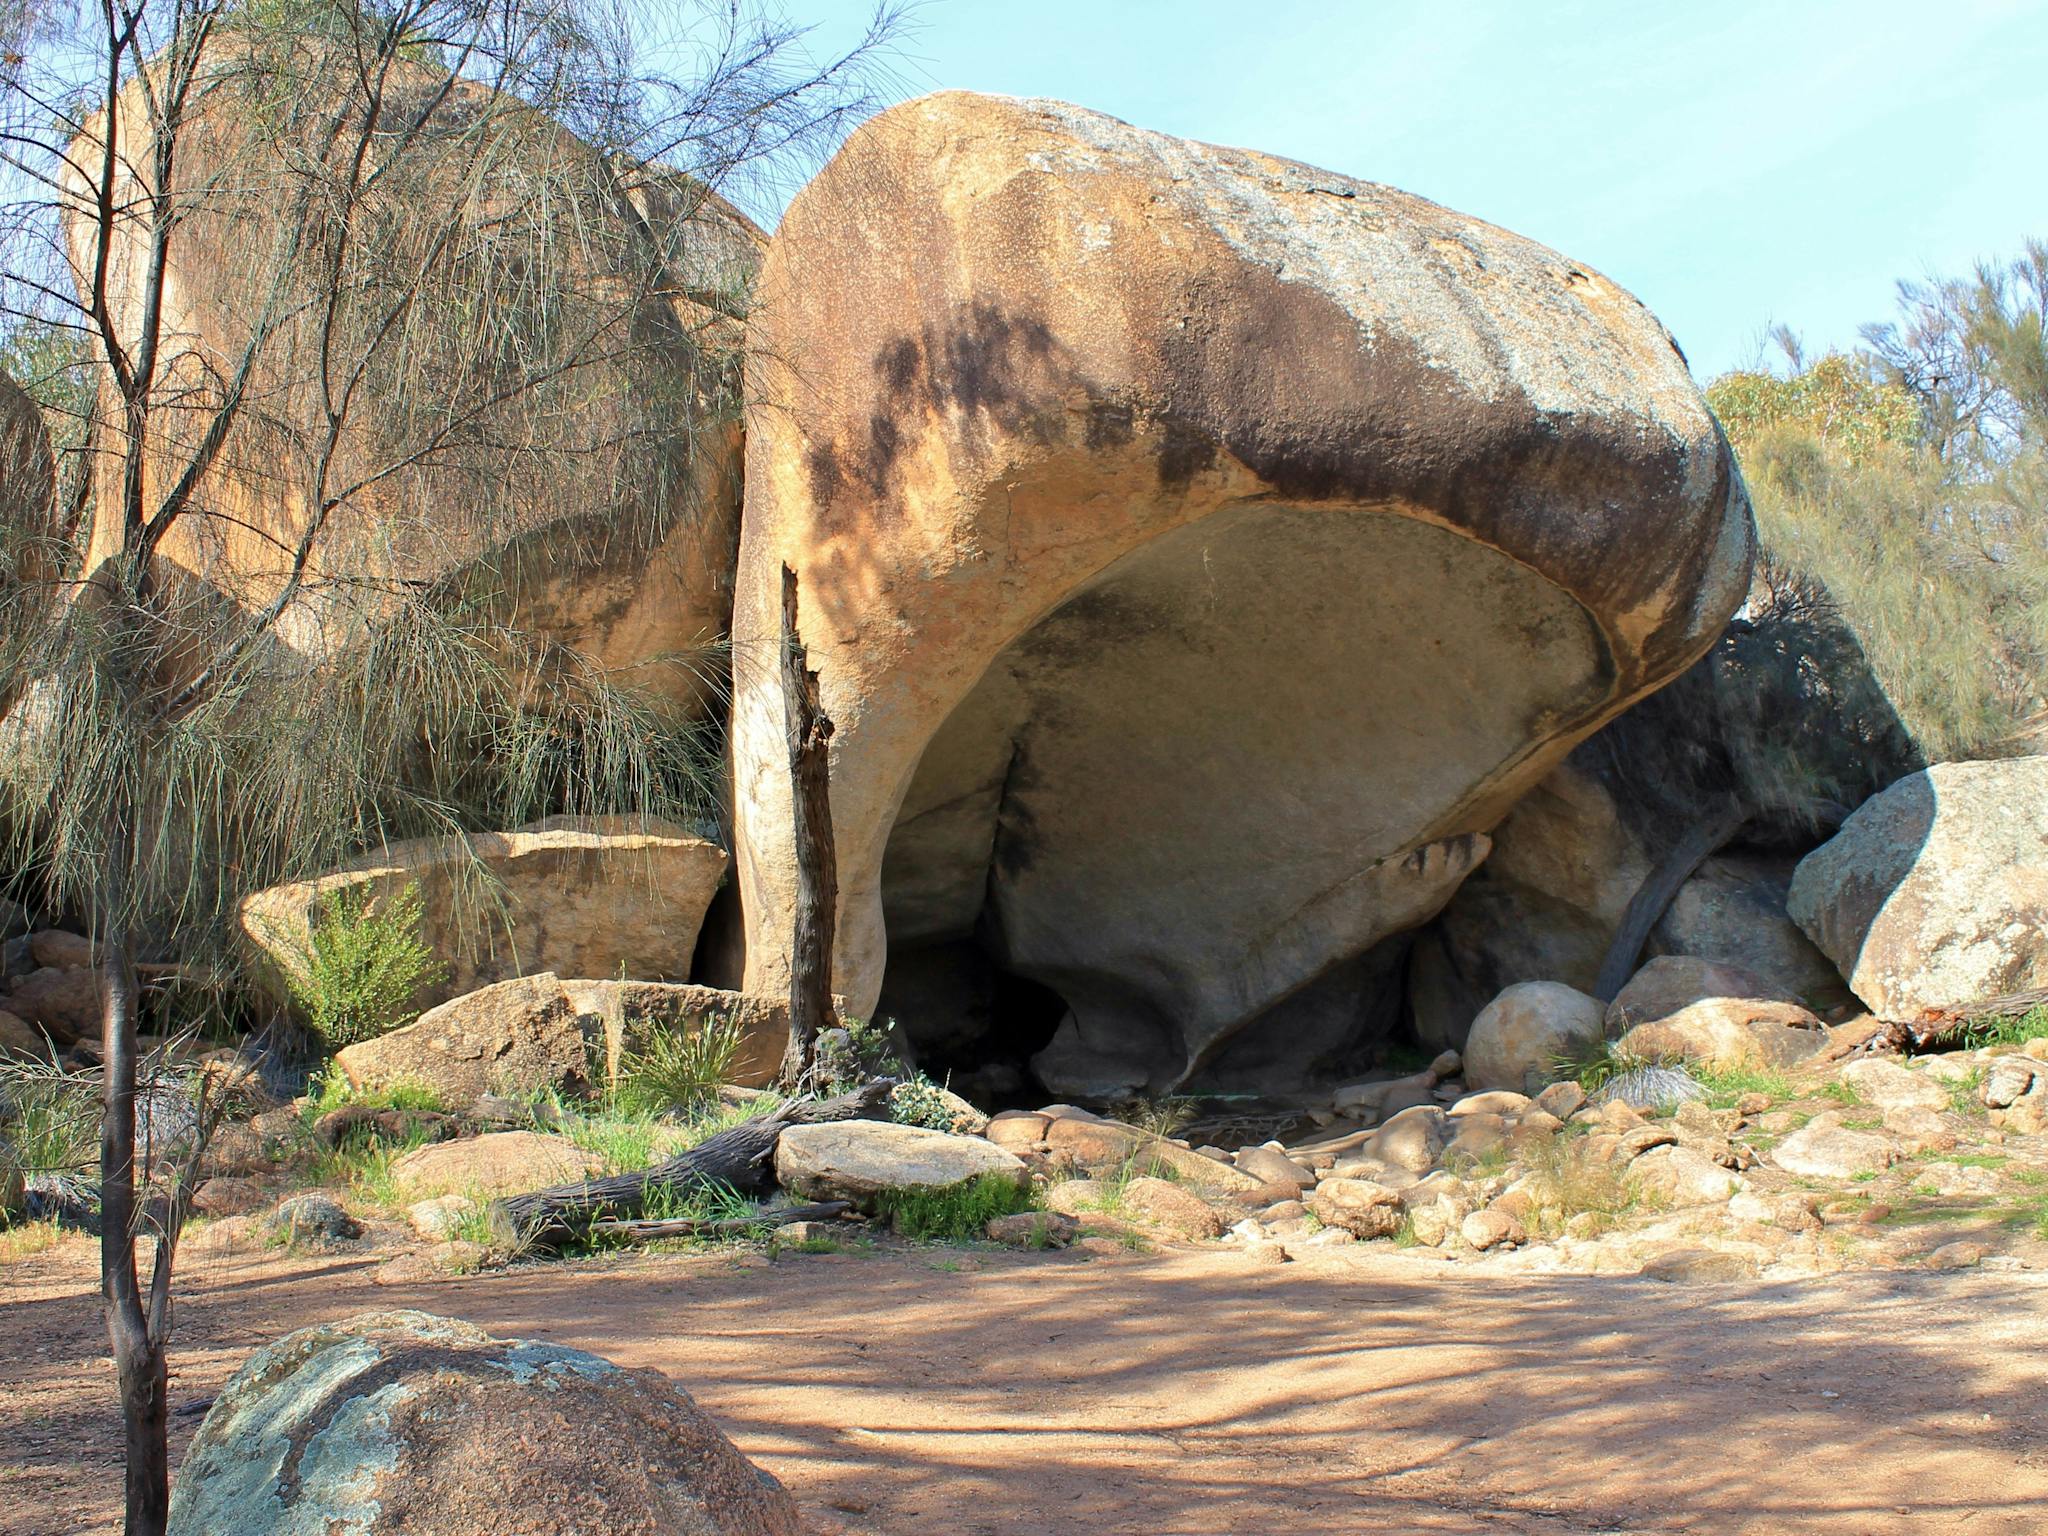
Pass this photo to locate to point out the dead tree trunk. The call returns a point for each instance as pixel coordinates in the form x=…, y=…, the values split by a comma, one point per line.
x=1656, y=893
x=809, y=733
x=738, y=1158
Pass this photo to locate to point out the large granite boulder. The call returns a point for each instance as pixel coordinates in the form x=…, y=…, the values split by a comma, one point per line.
x=579, y=896
x=402, y=1421
x=1934, y=894
x=597, y=511
x=1199, y=552
x=540, y=1032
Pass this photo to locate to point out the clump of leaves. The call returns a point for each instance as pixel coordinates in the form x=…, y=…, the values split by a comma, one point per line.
x=679, y=1068
x=361, y=965
x=956, y=1214
x=921, y=1102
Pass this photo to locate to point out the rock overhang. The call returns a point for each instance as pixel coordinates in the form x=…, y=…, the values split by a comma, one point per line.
x=1010, y=349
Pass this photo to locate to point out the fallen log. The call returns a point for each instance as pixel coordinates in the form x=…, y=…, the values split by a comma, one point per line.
x=692, y=1226
x=738, y=1158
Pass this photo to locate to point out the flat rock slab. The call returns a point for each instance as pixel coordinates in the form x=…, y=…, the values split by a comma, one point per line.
x=1830, y=1152
x=862, y=1160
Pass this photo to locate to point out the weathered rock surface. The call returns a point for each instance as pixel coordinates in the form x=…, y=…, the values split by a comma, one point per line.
x=401, y=1421
x=613, y=533
x=1826, y=1151
x=1174, y=1210
x=1518, y=1035
x=499, y=1163
x=21, y=1040
x=1728, y=1033
x=1359, y=1206
x=863, y=1160
x=1005, y=437
x=1934, y=894
x=1671, y=982
x=579, y=896
x=537, y=1032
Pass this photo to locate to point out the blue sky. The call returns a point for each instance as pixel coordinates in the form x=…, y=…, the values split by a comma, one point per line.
x=1736, y=164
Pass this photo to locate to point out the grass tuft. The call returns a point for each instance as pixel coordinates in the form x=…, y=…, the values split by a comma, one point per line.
x=957, y=1214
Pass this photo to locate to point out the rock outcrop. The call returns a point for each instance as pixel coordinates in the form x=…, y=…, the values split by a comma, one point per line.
x=402, y=1421
x=1934, y=894
x=1199, y=551
x=599, y=512
x=579, y=896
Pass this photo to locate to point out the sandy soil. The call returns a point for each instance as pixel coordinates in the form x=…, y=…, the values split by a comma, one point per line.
x=1187, y=1391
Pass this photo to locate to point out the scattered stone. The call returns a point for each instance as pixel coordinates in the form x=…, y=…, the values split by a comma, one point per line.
x=1078, y=1197
x=1271, y=1167
x=1094, y=1145
x=1266, y=1252
x=1359, y=1206
x=862, y=1160
x=1017, y=1130
x=2008, y=1080
x=1492, y=1229
x=1934, y=893
x=1518, y=1037
x=436, y=1219
x=22, y=1041
x=361, y=1425
x=1825, y=1151
x=1681, y=1176
x=794, y=1234
x=1957, y=1180
x=1699, y=1266
x=1432, y=1224
x=1957, y=1255
x=1562, y=1099
x=1729, y=1034
x=64, y=951
x=1412, y=1139
x=1284, y=1210
x=1170, y=1207
x=1033, y=1229
x=489, y=1166
x=313, y=1218
x=1672, y=983
x=1887, y=1085
x=64, y=1002
x=1498, y=1102
x=1448, y=1064
x=1919, y=1131
x=1475, y=1136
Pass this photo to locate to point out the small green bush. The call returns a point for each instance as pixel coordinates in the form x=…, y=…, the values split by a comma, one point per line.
x=680, y=1068
x=330, y=1089
x=919, y=1101
x=360, y=967
x=953, y=1215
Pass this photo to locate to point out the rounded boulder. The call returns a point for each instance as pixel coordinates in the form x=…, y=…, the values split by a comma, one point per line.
x=403, y=1421
x=1519, y=1036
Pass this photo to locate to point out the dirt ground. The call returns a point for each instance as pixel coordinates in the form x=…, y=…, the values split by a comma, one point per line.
x=1187, y=1391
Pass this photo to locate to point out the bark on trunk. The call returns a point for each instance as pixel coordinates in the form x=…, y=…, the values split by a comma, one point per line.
x=809, y=734
x=1656, y=893
x=138, y=1352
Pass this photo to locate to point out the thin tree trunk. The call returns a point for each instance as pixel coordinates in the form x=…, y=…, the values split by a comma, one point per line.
x=138, y=1354
x=809, y=733
x=1656, y=893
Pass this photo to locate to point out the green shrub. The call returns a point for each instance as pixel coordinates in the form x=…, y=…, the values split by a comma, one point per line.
x=2031, y=1025
x=919, y=1101
x=957, y=1214
x=330, y=1089
x=679, y=1068
x=360, y=967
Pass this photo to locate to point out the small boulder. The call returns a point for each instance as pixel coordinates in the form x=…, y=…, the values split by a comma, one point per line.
x=437, y=1219
x=1518, y=1037
x=1017, y=1130
x=401, y=1421
x=1033, y=1229
x=313, y=1218
x=2008, y=1080
x=1078, y=1197
x=1934, y=893
x=1172, y=1209
x=1562, y=1099
x=516, y=1037
x=1824, y=1151
x=1358, y=1206
x=1887, y=1085
x=1670, y=983
x=1729, y=1034
x=21, y=1040
x=64, y=951
x=1412, y=1140
x=64, y=1001
x=1271, y=1167
x=1110, y=1147
x=1492, y=1228
x=1682, y=1176
x=487, y=1167
x=864, y=1160
x=1699, y=1266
